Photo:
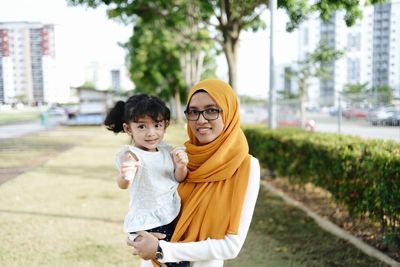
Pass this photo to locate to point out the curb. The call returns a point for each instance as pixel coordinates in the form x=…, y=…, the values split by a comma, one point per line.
x=333, y=228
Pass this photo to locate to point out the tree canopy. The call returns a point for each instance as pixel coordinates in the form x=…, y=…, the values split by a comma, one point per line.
x=153, y=61
x=223, y=19
x=314, y=65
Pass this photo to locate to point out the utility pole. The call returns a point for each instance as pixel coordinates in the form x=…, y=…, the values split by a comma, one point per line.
x=339, y=113
x=272, y=4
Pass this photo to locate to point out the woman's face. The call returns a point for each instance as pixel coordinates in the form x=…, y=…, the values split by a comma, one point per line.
x=205, y=131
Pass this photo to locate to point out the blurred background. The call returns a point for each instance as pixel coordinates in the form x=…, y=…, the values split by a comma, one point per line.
x=335, y=69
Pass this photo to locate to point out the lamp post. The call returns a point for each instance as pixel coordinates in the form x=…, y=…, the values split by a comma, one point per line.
x=272, y=4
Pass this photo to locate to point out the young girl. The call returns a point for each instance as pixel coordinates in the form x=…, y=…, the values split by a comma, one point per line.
x=149, y=169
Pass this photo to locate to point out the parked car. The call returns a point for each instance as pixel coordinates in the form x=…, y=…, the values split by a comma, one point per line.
x=72, y=111
x=355, y=113
x=394, y=119
x=56, y=111
x=333, y=111
x=381, y=115
x=294, y=121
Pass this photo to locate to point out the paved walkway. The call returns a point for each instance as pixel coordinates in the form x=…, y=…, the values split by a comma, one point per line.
x=24, y=128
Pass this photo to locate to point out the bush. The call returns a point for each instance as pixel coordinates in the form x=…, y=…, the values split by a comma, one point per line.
x=362, y=174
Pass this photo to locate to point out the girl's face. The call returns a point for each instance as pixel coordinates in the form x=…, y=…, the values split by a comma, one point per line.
x=205, y=131
x=146, y=133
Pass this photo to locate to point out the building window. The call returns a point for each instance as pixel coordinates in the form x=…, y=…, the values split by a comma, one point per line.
x=353, y=70
x=353, y=41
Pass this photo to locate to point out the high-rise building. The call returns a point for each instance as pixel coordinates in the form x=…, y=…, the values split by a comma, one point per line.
x=371, y=46
x=27, y=62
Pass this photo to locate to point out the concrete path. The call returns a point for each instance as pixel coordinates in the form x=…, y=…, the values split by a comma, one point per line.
x=24, y=128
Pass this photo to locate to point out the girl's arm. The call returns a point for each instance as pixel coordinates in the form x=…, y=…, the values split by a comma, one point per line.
x=128, y=169
x=217, y=249
x=180, y=159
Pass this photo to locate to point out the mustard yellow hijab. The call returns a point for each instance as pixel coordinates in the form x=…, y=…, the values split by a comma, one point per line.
x=213, y=193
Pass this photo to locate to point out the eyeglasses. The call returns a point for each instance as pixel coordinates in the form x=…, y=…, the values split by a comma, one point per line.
x=209, y=114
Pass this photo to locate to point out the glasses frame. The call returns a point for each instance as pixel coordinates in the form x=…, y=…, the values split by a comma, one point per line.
x=201, y=112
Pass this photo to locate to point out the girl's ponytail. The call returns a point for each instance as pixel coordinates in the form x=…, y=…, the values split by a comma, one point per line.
x=115, y=118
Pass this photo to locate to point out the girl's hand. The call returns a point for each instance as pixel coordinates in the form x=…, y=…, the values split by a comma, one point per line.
x=129, y=167
x=145, y=245
x=180, y=157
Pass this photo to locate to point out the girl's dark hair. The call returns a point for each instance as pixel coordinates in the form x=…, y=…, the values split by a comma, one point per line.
x=136, y=107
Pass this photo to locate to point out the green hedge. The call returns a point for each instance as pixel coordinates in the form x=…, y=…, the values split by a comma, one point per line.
x=362, y=174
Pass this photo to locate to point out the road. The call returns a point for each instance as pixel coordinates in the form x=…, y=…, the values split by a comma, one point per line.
x=24, y=128
x=366, y=131
x=326, y=123
x=357, y=127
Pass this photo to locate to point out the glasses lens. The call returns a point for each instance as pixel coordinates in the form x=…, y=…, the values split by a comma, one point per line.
x=192, y=115
x=211, y=114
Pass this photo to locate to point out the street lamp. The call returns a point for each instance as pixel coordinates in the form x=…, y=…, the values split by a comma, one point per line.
x=272, y=93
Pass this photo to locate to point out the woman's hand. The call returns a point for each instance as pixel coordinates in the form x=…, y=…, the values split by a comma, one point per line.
x=145, y=244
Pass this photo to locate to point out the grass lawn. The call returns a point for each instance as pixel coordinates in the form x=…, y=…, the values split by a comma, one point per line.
x=282, y=235
x=69, y=211
x=7, y=117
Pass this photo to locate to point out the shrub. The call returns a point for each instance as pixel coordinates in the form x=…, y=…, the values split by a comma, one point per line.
x=362, y=174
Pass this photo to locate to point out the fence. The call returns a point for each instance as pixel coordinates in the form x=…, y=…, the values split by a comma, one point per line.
x=366, y=115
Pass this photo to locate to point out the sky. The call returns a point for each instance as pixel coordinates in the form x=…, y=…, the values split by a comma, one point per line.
x=84, y=36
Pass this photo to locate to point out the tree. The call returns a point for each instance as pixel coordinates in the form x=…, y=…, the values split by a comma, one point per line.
x=153, y=61
x=380, y=95
x=248, y=100
x=383, y=94
x=314, y=65
x=356, y=88
x=286, y=94
x=169, y=54
x=23, y=98
x=227, y=18
x=234, y=16
x=88, y=84
x=195, y=44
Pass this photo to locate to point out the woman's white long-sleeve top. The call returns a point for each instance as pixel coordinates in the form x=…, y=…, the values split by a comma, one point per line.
x=213, y=252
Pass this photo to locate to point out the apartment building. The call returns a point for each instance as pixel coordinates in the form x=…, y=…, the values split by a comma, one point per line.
x=27, y=63
x=371, y=46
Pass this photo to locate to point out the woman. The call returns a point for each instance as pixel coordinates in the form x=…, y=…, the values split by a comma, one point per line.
x=220, y=192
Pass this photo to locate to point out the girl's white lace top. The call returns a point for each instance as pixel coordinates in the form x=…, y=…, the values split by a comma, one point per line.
x=154, y=200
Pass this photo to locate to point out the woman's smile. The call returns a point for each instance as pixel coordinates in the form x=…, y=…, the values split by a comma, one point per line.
x=204, y=130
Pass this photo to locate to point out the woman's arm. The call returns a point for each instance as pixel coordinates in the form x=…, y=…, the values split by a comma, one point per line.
x=221, y=249
x=212, y=249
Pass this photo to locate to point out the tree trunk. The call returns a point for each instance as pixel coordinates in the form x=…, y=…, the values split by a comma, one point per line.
x=230, y=49
x=199, y=67
x=302, y=112
x=302, y=93
x=230, y=29
x=192, y=67
x=193, y=59
x=178, y=107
